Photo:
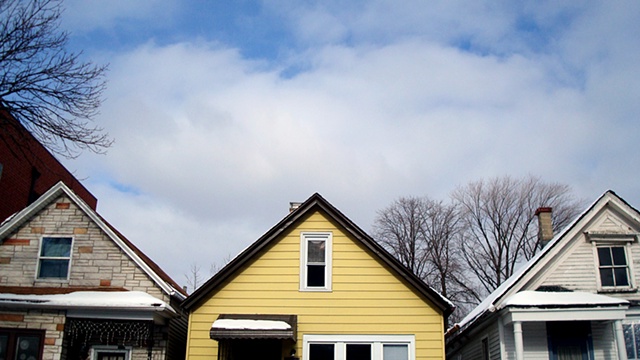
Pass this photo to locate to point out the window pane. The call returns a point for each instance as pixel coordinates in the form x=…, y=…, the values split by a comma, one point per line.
x=636, y=335
x=315, y=275
x=606, y=277
x=56, y=247
x=53, y=269
x=315, y=249
x=321, y=352
x=358, y=352
x=618, y=256
x=27, y=348
x=628, y=340
x=4, y=340
x=605, y=256
x=395, y=352
x=621, y=276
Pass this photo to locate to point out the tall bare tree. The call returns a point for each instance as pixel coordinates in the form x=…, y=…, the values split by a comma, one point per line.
x=497, y=217
x=46, y=88
x=422, y=234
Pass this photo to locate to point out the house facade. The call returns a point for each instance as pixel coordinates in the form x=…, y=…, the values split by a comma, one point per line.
x=576, y=299
x=315, y=287
x=72, y=287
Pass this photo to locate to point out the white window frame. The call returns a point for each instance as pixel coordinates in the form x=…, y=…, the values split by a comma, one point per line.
x=95, y=350
x=377, y=342
x=69, y=258
x=609, y=241
x=305, y=237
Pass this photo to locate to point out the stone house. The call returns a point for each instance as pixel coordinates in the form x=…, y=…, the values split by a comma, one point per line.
x=73, y=287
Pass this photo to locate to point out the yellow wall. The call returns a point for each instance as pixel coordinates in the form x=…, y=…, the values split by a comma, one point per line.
x=366, y=297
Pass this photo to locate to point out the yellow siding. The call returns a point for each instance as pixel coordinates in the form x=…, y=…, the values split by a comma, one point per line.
x=366, y=298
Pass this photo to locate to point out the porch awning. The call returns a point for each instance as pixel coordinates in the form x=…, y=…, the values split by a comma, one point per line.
x=254, y=326
x=558, y=306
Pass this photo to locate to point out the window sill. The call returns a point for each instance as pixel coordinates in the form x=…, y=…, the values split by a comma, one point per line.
x=315, y=290
x=618, y=291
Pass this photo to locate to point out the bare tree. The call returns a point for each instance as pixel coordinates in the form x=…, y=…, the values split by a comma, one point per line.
x=193, y=277
x=47, y=89
x=497, y=218
x=399, y=228
x=421, y=233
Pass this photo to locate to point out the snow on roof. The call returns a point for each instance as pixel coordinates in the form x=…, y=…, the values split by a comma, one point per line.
x=566, y=299
x=133, y=300
x=250, y=324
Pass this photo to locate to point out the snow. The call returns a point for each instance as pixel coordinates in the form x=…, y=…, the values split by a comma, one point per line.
x=249, y=324
x=542, y=298
x=92, y=299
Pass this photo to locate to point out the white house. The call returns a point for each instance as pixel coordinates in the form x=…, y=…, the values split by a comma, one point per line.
x=577, y=298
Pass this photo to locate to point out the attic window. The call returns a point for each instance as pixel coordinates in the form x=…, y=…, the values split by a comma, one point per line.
x=315, y=261
x=54, y=258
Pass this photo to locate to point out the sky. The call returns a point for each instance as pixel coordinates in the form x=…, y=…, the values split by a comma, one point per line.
x=223, y=112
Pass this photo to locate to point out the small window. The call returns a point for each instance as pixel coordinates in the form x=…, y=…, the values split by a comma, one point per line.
x=485, y=349
x=20, y=344
x=613, y=267
x=315, y=261
x=110, y=353
x=55, y=258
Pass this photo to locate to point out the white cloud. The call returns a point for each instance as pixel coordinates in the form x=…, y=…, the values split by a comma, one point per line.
x=217, y=145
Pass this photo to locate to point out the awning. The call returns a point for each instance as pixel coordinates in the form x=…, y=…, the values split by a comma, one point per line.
x=563, y=306
x=254, y=326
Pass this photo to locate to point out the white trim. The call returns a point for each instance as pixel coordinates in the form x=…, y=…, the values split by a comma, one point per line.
x=377, y=342
x=327, y=236
x=95, y=350
x=70, y=258
x=575, y=314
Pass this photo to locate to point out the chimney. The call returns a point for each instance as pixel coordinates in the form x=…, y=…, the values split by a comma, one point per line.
x=293, y=206
x=545, y=226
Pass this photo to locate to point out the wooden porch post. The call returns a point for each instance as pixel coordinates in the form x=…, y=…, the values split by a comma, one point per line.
x=517, y=336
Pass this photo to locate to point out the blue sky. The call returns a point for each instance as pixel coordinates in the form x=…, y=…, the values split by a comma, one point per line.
x=223, y=112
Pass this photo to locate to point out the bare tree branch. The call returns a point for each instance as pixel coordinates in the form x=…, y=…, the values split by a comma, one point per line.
x=49, y=90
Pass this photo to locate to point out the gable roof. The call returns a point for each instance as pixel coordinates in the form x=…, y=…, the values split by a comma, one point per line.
x=164, y=281
x=518, y=280
x=317, y=203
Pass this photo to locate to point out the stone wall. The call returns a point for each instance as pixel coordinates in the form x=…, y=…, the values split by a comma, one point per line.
x=52, y=322
x=96, y=260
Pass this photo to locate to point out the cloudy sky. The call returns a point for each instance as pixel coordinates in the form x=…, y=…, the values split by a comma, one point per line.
x=225, y=111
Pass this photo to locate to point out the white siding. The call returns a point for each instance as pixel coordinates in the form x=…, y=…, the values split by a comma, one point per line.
x=604, y=343
x=534, y=336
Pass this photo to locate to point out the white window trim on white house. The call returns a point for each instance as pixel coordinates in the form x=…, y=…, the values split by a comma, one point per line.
x=96, y=350
x=305, y=237
x=40, y=258
x=613, y=240
x=376, y=341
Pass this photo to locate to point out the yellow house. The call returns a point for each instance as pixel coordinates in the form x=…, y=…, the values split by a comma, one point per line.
x=316, y=287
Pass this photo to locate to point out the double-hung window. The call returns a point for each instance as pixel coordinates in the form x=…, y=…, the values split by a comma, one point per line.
x=358, y=347
x=54, y=258
x=315, y=261
x=613, y=267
